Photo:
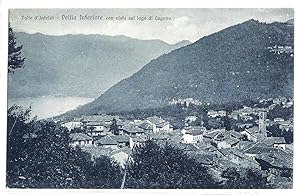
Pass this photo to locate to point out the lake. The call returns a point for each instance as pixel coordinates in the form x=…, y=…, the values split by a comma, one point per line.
x=49, y=106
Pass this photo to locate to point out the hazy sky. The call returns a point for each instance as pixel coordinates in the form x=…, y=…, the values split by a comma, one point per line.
x=185, y=24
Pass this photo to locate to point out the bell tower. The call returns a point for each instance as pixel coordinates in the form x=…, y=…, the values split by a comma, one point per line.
x=262, y=123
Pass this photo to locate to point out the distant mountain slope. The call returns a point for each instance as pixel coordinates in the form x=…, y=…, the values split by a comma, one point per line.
x=80, y=65
x=238, y=63
x=291, y=21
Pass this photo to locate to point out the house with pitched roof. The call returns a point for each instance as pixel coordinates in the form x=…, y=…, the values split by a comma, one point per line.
x=146, y=126
x=234, y=134
x=159, y=124
x=138, y=140
x=275, y=142
x=213, y=114
x=243, y=145
x=72, y=124
x=80, y=139
x=133, y=130
x=96, y=151
x=123, y=141
x=107, y=142
x=95, y=124
x=95, y=128
x=229, y=143
x=240, y=158
x=252, y=134
x=260, y=148
x=275, y=160
x=213, y=134
x=159, y=136
x=193, y=134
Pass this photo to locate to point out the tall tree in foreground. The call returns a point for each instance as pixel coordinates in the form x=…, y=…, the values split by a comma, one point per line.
x=154, y=166
x=19, y=125
x=15, y=60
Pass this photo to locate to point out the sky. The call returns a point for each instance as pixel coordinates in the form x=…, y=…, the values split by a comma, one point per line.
x=180, y=24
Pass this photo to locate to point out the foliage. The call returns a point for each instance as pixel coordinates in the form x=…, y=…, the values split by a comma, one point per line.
x=154, y=166
x=104, y=173
x=77, y=130
x=39, y=156
x=281, y=112
x=275, y=131
x=15, y=60
x=18, y=125
x=252, y=179
x=114, y=127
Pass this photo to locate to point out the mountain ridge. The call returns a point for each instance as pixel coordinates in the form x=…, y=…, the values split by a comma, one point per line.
x=234, y=64
x=79, y=65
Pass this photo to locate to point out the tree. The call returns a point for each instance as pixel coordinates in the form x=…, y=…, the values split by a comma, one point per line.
x=233, y=178
x=15, y=60
x=156, y=166
x=114, y=127
x=40, y=160
x=19, y=124
x=104, y=173
x=252, y=179
x=255, y=180
x=39, y=155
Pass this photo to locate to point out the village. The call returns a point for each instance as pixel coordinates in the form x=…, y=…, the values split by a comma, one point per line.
x=248, y=145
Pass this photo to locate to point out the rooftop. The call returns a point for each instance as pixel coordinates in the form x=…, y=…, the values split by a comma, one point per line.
x=162, y=124
x=259, y=150
x=96, y=151
x=95, y=123
x=270, y=141
x=253, y=130
x=211, y=134
x=107, y=140
x=277, y=159
x=79, y=137
x=245, y=144
x=195, y=132
x=231, y=141
x=121, y=138
x=145, y=125
x=131, y=129
x=235, y=134
x=139, y=139
x=159, y=136
x=156, y=120
x=225, y=163
x=99, y=118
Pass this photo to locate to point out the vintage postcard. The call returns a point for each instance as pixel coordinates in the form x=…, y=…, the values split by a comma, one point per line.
x=150, y=98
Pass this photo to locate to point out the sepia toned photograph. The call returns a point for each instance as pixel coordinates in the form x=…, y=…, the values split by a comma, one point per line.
x=150, y=98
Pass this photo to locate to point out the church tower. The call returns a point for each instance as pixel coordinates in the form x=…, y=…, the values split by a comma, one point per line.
x=262, y=123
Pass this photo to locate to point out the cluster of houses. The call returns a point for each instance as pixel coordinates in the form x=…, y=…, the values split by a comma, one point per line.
x=186, y=101
x=218, y=149
x=279, y=49
x=94, y=135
